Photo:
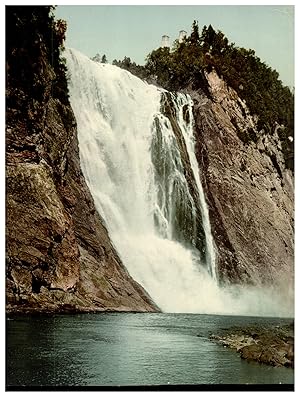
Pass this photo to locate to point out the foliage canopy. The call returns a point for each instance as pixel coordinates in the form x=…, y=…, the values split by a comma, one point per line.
x=30, y=32
x=258, y=84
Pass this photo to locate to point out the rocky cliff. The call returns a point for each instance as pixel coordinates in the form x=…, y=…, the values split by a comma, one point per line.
x=58, y=253
x=248, y=189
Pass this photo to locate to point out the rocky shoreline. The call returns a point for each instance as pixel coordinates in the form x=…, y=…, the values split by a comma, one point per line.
x=272, y=346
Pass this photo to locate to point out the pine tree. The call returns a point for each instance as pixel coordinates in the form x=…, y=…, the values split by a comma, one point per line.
x=195, y=38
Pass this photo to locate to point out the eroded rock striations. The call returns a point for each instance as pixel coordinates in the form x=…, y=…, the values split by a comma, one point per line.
x=248, y=190
x=58, y=253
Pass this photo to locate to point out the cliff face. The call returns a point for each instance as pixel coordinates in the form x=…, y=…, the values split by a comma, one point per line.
x=58, y=253
x=248, y=190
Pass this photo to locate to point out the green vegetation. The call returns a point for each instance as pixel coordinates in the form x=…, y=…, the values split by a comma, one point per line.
x=31, y=35
x=104, y=59
x=98, y=58
x=186, y=63
x=132, y=67
x=256, y=83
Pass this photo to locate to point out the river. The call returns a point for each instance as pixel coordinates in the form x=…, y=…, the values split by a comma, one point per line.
x=129, y=349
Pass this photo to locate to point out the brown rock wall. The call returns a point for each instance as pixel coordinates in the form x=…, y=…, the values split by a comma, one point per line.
x=58, y=253
x=248, y=190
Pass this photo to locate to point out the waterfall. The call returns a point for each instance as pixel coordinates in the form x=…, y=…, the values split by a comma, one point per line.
x=141, y=168
x=182, y=104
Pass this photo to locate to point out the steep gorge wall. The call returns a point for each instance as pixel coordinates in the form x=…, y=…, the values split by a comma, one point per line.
x=58, y=253
x=249, y=191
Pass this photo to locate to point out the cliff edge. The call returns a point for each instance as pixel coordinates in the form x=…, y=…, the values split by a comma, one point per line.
x=248, y=189
x=58, y=253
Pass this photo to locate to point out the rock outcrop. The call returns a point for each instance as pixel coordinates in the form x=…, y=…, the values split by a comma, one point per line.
x=248, y=190
x=58, y=253
x=272, y=346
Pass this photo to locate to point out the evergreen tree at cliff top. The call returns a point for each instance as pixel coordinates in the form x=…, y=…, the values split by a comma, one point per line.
x=42, y=33
x=254, y=81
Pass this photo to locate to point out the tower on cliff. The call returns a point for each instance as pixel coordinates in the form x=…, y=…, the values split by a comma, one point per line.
x=165, y=41
x=182, y=36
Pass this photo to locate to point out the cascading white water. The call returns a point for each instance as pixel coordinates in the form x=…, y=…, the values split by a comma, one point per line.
x=132, y=164
x=187, y=129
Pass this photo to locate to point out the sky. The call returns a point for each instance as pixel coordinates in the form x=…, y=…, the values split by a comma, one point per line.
x=135, y=30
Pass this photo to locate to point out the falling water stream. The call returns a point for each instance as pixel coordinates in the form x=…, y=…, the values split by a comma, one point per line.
x=134, y=165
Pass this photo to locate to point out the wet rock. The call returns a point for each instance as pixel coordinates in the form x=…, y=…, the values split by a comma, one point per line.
x=251, y=352
x=168, y=109
x=272, y=346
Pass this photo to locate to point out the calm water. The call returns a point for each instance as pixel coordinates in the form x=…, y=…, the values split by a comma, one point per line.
x=129, y=349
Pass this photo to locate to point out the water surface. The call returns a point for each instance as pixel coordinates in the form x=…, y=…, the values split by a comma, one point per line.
x=123, y=349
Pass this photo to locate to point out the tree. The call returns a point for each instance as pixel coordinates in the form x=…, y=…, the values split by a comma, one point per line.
x=126, y=62
x=255, y=82
x=158, y=65
x=194, y=37
x=104, y=59
x=96, y=58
